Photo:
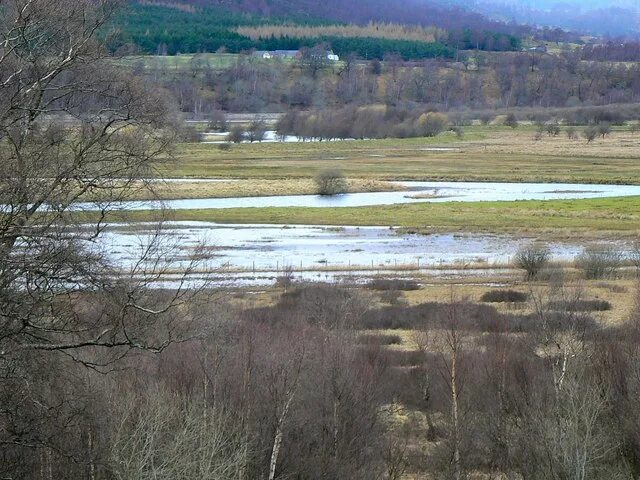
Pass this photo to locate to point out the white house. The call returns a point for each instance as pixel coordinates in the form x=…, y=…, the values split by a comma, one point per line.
x=291, y=54
x=263, y=54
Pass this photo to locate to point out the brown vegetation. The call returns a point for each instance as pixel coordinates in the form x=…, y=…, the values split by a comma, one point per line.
x=390, y=31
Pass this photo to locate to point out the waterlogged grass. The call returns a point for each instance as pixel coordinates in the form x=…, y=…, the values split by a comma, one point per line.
x=488, y=153
x=560, y=218
x=382, y=159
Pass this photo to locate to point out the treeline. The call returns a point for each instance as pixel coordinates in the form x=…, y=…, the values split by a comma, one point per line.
x=465, y=39
x=161, y=29
x=577, y=116
x=480, y=81
x=612, y=51
x=360, y=123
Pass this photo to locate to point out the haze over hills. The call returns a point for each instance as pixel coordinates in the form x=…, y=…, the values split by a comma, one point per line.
x=598, y=17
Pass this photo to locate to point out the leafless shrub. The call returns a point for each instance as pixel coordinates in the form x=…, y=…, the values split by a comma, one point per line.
x=486, y=118
x=604, y=129
x=504, y=296
x=431, y=124
x=165, y=436
x=393, y=284
x=218, y=121
x=257, y=131
x=612, y=287
x=330, y=182
x=371, y=339
x=511, y=121
x=532, y=259
x=286, y=278
x=590, y=133
x=237, y=134
x=553, y=129
x=189, y=134
x=393, y=297
x=329, y=306
x=580, y=305
x=600, y=261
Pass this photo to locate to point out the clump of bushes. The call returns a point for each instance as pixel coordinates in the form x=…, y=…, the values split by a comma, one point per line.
x=511, y=121
x=257, y=131
x=580, y=305
x=373, y=339
x=393, y=284
x=532, y=259
x=189, y=134
x=236, y=134
x=504, y=296
x=392, y=297
x=372, y=121
x=403, y=358
x=331, y=182
x=431, y=124
x=218, y=122
x=600, y=261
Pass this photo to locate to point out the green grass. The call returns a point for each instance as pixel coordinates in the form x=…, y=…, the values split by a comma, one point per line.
x=559, y=218
x=181, y=63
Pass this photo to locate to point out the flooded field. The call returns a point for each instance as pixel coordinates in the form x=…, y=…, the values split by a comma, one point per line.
x=260, y=253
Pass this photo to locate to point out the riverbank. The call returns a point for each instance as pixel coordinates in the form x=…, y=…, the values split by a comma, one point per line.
x=177, y=189
x=557, y=219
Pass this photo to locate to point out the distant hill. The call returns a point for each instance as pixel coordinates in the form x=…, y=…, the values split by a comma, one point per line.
x=411, y=12
x=597, y=17
x=414, y=31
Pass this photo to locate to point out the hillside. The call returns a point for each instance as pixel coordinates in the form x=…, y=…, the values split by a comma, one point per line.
x=615, y=18
x=198, y=26
x=420, y=12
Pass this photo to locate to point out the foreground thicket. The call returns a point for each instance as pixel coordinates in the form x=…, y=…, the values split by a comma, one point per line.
x=294, y=390
x=69, y=124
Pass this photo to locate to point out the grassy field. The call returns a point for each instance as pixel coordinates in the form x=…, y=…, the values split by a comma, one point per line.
x=602, y=218
x=180, y=63
x=485, y=153
x=251, y=187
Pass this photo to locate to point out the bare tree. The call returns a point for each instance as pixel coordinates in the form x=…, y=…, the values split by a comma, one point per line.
x=532, y=259
x=450, y=349
x=314, y=59
x=331, y=182
x=158, y=437
x=77, y=135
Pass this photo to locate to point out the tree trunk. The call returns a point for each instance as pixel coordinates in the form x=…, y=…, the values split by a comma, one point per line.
x=277, y=440
x=454, y=413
